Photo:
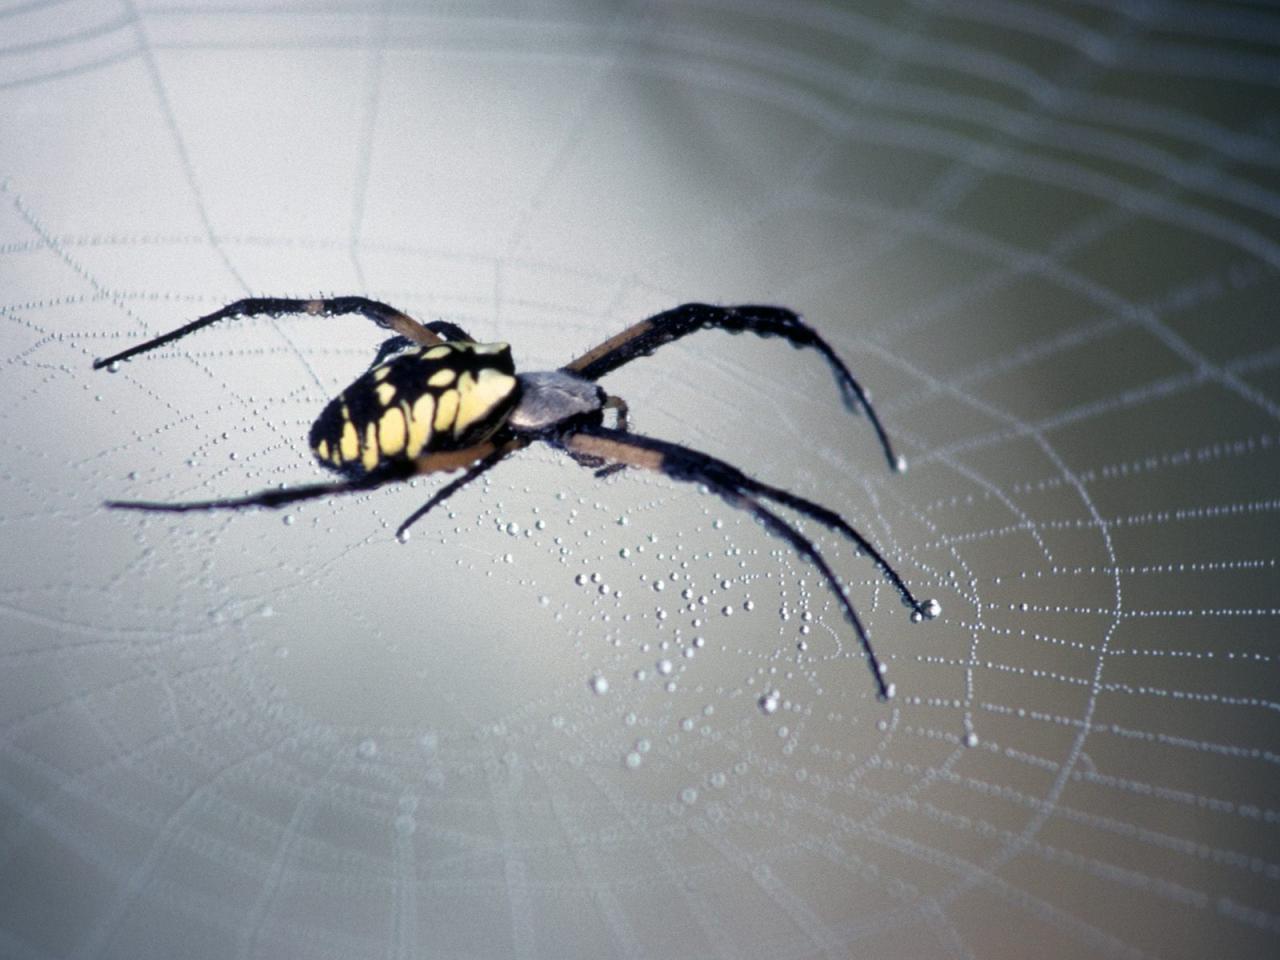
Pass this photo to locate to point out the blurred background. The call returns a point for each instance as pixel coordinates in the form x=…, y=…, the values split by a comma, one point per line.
x=583, y=718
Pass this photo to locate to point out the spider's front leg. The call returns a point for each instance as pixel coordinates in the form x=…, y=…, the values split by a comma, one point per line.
x=741, y=491
x=641, y=339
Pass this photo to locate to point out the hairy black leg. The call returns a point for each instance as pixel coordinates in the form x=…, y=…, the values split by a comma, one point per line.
x=273, y=498
x=453, y=486
x=683, y=463
x=643, y=338
x=736, y=489
x=803, y=546
x=387, y=317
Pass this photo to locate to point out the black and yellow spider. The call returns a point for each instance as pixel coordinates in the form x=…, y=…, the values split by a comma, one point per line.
x=435, y=400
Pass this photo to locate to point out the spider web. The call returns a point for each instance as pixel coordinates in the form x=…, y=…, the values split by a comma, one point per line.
x=581, y=718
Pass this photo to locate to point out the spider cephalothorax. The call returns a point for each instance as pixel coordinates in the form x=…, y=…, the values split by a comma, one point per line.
x=436, y=400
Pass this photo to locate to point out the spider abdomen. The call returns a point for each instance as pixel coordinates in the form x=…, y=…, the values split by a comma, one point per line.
x=421, y=400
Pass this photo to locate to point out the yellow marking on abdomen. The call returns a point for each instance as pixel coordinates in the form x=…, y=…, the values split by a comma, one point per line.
x=441, y=378
x=322, y=449
x=349, y=445
x=480, y=395
x=446, y=409
x=424, y=410
x=435, y=353
x=369, y=456
x=385, y=392
x=490, y=347
x=391, y=432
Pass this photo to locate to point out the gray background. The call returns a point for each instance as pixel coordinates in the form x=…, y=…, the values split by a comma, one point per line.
x=1043, y=234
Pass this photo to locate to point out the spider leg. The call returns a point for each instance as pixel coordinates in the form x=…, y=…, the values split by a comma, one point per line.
x=271, y=498
x=739, y=490
x=684, y=463
x=390, y=473
x=619, y=406
x=387, y=317
x=643, y=338
x=481, y=466
x=389, y=346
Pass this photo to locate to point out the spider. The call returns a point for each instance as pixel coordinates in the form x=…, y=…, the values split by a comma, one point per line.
x=435, y=399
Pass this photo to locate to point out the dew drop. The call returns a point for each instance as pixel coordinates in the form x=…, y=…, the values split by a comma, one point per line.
x=599, y=684
x=633, y=760
x=900, y=464
x=689, y=796
x=769, y=702
x=971, y=739
x=406, y=825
